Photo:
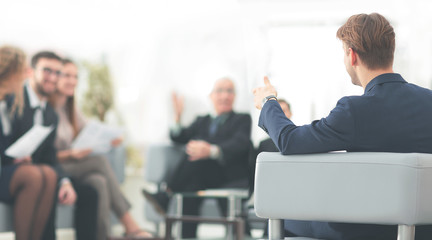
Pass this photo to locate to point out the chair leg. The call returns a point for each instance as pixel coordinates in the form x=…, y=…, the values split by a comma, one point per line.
x=157, y=230
x=275, y=229
x=406, y=232
x=179, y=213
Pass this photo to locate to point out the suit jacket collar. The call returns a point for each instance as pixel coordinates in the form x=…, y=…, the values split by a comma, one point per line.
x=222, y=117
x=384, y=78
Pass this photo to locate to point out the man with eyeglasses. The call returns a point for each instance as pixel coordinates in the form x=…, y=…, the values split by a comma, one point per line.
x=217, y=148
x=46, y=69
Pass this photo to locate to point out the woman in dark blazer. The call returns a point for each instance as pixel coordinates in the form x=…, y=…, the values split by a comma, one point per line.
x=30, y=188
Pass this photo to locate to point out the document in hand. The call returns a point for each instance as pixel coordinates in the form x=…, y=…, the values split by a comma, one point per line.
x=96, y=136
x=29, y=142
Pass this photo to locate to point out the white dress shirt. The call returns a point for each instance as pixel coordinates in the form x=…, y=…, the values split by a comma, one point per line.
x=37, y=104
x=5, y=120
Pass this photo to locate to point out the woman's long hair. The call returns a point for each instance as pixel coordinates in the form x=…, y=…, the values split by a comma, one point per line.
x=69, y=105
x=12, y=62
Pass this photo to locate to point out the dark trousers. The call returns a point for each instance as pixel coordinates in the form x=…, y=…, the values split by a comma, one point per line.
x=349, y=231
x=85, y=218
x=49, y=232
x=194, y=176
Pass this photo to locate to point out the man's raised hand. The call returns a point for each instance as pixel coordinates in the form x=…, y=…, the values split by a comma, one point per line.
x=178, y=103
x=261, y=92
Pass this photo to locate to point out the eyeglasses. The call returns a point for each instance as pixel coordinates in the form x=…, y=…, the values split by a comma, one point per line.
x=49, y=71
x=222, y=90
x=67, y=75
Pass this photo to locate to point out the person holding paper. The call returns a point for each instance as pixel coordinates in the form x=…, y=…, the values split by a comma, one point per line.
x=30, y=188
x=94, y=169
x=44, y=73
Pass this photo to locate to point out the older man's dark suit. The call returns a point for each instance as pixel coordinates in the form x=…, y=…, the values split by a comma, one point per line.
x=391, y=116
x=86, y=205
x=233, y=138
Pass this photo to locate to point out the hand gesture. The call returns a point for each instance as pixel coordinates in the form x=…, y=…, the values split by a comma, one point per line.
x=261, y=92
x=79, y=153
x=197, y=149
x=178, y=103
x=67, y=194
x=117, y=141
x=27, y=159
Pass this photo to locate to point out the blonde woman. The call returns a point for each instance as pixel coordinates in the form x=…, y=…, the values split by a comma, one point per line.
x=30, y=188
x=93, y=169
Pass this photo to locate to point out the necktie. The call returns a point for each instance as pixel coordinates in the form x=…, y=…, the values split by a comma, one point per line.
x=214, y=125
x=4, y=118
x=38, y=116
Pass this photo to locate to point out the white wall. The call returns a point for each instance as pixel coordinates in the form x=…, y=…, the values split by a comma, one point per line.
x=156, y=47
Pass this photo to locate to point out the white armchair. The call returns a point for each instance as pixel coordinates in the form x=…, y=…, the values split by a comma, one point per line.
x=372, y=188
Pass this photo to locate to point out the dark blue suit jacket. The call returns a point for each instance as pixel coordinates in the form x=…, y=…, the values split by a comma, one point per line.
x=391, y=116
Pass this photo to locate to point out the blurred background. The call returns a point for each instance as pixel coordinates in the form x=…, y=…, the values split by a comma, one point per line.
x=135, y=53
x=147, y=49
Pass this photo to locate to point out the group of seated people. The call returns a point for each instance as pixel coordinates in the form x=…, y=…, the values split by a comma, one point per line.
x=55, y=173
x=218, y=145
x=218, y=152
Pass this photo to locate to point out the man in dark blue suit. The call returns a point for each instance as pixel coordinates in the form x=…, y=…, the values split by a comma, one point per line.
x=391, y=116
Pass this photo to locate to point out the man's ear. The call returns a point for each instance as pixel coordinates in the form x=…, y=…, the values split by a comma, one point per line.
x=353, y=56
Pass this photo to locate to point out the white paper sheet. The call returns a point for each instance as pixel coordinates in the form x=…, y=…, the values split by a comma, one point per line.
x=96, y=136
x=29, y=142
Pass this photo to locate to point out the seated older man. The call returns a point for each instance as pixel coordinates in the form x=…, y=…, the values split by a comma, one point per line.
x=217, y=148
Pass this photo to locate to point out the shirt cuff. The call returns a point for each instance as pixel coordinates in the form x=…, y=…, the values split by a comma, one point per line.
x=215, y=152
x=175, y=129
x=64, y=181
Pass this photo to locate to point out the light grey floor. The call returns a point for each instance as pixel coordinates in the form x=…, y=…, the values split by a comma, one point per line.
x=132, y=189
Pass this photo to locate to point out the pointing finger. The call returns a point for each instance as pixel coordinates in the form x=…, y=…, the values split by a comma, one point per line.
x=267, y=81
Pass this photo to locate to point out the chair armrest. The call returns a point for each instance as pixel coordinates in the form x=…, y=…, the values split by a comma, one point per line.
x=6, y=217
x=376, y=188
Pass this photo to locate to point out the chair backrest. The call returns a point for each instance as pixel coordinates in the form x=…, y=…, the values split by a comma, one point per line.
x=161, y=161
x=117, y=158
x=378, y=188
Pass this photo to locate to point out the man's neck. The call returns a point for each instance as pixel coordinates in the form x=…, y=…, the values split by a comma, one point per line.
x=366, y=75
x=35, y=100
x=35, y=90
x=2, y=94
x=217, y=114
